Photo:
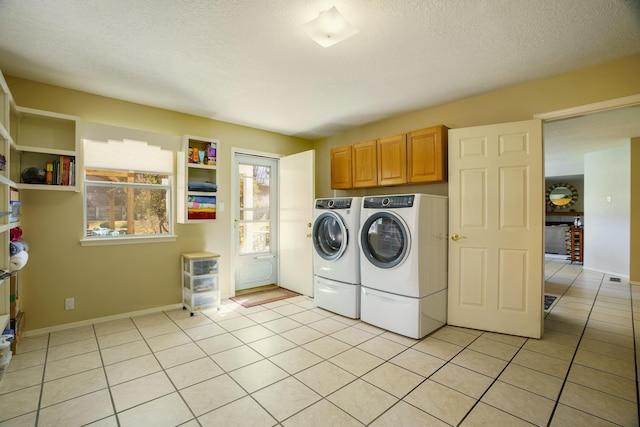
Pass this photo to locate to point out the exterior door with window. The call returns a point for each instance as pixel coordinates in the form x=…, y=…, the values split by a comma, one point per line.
x=255, y=227
x=496, y=208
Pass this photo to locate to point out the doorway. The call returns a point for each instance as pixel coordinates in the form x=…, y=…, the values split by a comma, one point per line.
x=255, y=223
x=571, y=139
x=271, y=233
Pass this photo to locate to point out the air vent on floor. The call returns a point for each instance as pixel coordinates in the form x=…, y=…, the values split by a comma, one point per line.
x=614, y=279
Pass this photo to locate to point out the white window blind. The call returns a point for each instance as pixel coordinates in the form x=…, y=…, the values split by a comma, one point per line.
x=127, y=155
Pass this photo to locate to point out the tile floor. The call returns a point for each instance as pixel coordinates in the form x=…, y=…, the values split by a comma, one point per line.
x=288, y=363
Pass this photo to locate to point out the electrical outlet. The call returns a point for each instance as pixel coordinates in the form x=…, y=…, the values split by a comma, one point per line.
x=69, y=303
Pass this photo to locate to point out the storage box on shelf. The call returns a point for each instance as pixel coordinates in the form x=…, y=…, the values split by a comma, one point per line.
x=45, y=155
x=5, y=354
x=200, y=288
x=197, y=180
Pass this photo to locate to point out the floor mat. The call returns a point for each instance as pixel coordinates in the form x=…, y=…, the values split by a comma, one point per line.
x=263, y=297
x=548, y=300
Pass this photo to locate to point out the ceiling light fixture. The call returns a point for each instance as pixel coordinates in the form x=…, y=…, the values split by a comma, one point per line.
x=329, y=28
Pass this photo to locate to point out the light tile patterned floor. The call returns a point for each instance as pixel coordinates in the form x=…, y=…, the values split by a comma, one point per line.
x=288, y=363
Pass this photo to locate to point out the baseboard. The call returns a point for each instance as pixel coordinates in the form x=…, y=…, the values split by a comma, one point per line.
x=65, y=326
x=608, y=273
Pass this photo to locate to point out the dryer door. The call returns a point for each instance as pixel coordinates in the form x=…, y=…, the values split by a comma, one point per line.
x=330, y=237
x=385, y=239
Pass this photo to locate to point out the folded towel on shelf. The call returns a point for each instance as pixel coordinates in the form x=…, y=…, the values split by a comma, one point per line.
x=202, y=199
x=202, y=186
x=201, y=214
x=15, y=233
x=196, y=205
x=15, y=247
x=18, y=260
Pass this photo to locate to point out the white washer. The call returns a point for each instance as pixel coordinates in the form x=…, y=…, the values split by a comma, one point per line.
x=336, y=255
x=403, y=263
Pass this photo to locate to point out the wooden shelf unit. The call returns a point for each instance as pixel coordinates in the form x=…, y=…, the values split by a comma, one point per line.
x=577, y=244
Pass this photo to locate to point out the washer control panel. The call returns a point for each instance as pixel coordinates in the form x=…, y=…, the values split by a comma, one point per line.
x=333, y=203
x=379, y=202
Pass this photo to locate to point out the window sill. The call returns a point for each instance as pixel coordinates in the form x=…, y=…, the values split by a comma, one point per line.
x=127, y=240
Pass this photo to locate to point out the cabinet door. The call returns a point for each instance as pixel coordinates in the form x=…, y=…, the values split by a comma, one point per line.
x=427, y=154
x=341, y=167
x=392, y=160
x=365, y=168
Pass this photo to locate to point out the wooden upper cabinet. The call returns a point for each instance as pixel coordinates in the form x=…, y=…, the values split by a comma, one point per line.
x=341, y=168
x=365, y=168
x=427, y=155
x=416, y=157
x=392, y=160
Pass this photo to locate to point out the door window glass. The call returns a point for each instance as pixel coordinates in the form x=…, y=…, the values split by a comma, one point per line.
x=254, y=213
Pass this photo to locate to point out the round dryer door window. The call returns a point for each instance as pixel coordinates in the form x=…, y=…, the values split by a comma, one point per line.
x=329, y=236
x=384, y=240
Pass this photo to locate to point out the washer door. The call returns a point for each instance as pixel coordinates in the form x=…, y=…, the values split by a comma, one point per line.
x=385, y=240
x=330, y=238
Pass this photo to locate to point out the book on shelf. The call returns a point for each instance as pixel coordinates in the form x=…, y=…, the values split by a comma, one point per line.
x=66, y=163
x=61, y=171
x=49, y=173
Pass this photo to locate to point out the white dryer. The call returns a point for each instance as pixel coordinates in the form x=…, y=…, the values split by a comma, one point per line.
x=403, y=263
x=336, y=255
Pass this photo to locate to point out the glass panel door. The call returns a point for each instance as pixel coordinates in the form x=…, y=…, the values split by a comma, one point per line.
x=255, y=224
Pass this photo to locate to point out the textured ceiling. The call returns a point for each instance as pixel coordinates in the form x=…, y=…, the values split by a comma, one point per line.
x=249, y=61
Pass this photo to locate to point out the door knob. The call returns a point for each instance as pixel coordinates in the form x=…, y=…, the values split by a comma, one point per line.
x=456, y=237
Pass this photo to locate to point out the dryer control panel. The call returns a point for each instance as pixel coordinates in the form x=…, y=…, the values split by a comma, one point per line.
x=333, y=203
x=379, y=202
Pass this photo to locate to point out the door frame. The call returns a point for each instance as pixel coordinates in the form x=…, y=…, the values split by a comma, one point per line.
x=611, y=104
x=234, y=209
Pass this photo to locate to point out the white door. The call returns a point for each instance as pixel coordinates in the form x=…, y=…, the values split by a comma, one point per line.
x=297, y=194
x=255, y=228
x=496, y=208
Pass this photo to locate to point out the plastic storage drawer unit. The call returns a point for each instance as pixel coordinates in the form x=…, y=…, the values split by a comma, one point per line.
x=200, y=300
x=197, y=267
x=203, y=283
x=200, y=286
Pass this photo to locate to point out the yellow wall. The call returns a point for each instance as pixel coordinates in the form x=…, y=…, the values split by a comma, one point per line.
x=599, y=83
x=109, y=280
x=602, y=82
x=634, y=249
x=119, y=279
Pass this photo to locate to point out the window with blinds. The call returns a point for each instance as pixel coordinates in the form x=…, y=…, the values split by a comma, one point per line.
x=127, y=189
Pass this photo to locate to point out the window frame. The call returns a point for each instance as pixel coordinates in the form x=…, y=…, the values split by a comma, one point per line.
x=127, y=238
